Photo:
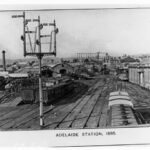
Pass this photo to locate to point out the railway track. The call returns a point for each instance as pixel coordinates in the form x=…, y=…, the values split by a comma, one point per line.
x=33, y=115
x=62, y=105
x=78, y=112
x=85, y=108
x=83, y=104
x=90, y=110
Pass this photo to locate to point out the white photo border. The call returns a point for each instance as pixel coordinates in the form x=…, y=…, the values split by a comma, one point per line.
x=122, y=136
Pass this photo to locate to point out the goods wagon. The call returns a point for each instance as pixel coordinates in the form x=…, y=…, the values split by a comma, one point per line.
x=31, y=95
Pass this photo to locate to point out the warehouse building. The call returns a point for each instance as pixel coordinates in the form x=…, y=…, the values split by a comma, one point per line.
x=140, y=74
x=63, y=68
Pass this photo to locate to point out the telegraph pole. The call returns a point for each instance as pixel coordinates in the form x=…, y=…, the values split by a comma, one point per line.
x=24, y=34
x=55, y=36
x=40, y=73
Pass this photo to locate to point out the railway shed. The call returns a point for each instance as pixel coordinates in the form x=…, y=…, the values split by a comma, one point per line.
x=63, y=68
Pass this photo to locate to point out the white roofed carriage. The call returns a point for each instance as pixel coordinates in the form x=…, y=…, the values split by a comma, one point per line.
x=120, y=98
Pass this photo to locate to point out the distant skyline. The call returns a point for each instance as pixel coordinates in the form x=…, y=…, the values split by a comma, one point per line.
x=116, y=31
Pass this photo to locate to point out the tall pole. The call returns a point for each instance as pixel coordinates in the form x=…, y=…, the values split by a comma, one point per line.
x=40, y=74
x=24, y=34
x=39, y=54
x=54, y=37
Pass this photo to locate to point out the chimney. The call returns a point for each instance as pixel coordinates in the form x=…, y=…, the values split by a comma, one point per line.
x=4, y=62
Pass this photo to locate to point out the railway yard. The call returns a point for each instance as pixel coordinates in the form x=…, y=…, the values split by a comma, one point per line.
x=87, y=90
x=85, y=107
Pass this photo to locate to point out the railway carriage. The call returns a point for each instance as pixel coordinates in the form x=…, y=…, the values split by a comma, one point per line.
x=120, y=98
x=121, y=109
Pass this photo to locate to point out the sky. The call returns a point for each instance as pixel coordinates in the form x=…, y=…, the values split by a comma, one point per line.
x=116, y=31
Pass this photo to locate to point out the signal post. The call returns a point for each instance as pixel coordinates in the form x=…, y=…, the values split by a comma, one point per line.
x=39, y=54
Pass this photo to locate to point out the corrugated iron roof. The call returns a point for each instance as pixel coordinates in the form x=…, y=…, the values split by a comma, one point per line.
x=18, y=75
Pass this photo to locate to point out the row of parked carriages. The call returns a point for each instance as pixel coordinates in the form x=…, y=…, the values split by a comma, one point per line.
x=50, y=94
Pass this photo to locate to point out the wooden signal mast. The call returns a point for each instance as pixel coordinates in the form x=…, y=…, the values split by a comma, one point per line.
x=38, y=53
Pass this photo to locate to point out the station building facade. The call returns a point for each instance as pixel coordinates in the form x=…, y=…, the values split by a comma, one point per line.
x=140, y=74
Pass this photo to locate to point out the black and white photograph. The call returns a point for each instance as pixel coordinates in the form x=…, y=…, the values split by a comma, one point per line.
x=75, y=69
